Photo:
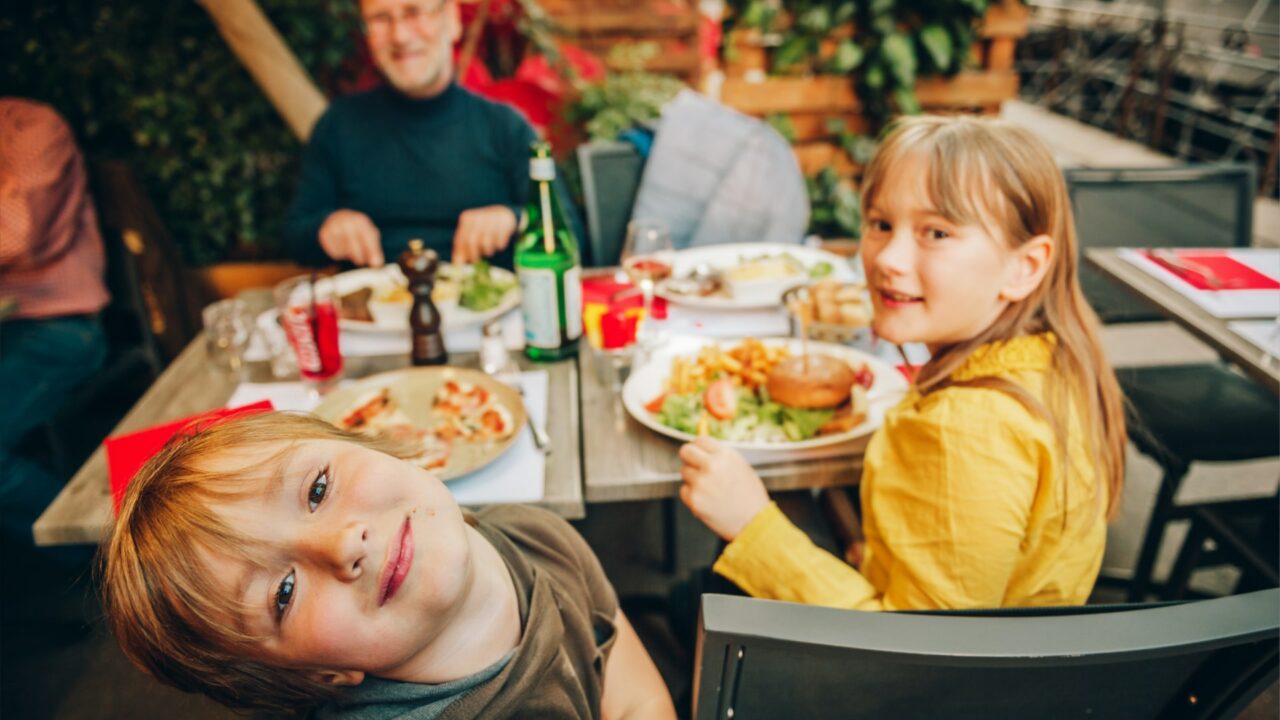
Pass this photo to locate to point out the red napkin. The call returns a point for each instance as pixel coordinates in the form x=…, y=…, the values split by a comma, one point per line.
x=1210, y=270
x=126, y=454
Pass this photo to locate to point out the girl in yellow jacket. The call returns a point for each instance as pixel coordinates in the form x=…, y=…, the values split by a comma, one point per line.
x=989, y=484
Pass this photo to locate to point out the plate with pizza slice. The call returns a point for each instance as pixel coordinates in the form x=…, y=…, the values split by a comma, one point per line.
x=456, y=419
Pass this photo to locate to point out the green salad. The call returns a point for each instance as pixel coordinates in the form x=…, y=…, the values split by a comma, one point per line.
x=481, y=290
x=746, y=416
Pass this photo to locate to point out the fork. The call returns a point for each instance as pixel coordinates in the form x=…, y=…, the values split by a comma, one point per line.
x=540, y=438
x=1191, y=266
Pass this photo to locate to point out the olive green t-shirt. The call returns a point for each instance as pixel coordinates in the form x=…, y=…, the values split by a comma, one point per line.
x=567, y=608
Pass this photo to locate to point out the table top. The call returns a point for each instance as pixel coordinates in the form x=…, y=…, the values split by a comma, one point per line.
x=625, y=460
x=600, y=454
x=82, y=511
x=1256, y=362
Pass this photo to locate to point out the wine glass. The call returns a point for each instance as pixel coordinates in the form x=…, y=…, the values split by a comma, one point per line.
x=646, y=258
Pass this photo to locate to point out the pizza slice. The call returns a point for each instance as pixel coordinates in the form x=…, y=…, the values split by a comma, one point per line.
x=376, y=412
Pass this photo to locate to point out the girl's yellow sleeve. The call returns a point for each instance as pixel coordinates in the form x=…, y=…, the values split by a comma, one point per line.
x=772, y=558
x=951, y=495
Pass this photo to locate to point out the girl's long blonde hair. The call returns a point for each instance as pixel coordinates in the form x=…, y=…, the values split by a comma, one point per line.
x=999, y=176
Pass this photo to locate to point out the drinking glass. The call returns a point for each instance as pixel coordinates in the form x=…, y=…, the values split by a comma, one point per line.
x=228, y=330
x=646, y=258
x=309, y=314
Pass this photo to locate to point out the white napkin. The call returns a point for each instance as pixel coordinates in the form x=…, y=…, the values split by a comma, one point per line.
x=683, y=320
x=519, y=475
x=1263, y=333
x=283, y=396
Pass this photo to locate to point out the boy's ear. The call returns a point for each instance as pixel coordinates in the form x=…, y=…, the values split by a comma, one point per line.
x=1030, y=264
x=338, y=677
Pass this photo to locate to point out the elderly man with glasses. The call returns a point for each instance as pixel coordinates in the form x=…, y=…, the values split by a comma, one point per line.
x=419, y=157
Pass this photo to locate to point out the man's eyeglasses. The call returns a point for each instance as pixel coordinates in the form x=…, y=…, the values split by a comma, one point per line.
x=414, y=14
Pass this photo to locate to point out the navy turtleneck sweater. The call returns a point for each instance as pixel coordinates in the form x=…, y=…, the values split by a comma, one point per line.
x=412, y=166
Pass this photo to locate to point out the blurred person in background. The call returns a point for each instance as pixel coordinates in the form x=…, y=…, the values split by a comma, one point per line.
x=419, y=157
x=51, y=290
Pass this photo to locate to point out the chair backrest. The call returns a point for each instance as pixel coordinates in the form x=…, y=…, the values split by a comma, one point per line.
x=150, y=310
x=1179, y=206
x=766, y=659
x=610, y=178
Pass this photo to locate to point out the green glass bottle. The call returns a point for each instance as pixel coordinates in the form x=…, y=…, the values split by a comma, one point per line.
x=549, y=267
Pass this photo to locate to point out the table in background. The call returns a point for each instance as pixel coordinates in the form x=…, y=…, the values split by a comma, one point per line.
x=82, y=511
x=1256, y=362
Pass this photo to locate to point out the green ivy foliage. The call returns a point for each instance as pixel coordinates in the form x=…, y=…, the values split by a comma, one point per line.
x=156, y=85
x=625, y=98
x=883, y=46
x=891, y=43
x=835, y=210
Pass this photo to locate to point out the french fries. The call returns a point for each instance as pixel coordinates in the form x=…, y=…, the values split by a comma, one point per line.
x=832, y=302
x=747, y=365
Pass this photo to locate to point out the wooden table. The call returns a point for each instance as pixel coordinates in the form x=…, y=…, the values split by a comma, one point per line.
x=625, y=460
x=82, y=511
x=1256, y=362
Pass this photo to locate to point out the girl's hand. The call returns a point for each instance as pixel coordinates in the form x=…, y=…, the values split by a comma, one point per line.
x=720, y=487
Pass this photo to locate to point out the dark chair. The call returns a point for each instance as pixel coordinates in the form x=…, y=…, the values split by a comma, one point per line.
x=1184, y=413
x=146, y=323
x=766, y=659
x=1180, y=206
x=610, y=179
x=1240, y=533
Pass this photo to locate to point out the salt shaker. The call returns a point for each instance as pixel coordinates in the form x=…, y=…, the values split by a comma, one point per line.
x=494, y=359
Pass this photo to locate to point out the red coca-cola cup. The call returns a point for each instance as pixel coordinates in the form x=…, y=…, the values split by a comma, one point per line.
x=309, y=315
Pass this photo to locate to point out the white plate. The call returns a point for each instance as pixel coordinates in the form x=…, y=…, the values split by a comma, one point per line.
x=723, y=257
x=452, y=315
x=647, y=382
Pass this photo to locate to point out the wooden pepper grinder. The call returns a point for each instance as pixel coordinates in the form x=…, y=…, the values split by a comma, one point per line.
x=420, y=264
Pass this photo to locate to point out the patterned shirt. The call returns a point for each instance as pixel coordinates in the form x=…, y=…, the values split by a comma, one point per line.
x=51, y=254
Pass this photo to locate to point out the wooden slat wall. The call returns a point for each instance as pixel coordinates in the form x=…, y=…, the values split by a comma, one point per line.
x=810, y=102
x=600, y=25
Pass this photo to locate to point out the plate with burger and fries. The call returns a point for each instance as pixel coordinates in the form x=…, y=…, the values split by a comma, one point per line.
x=771, y=394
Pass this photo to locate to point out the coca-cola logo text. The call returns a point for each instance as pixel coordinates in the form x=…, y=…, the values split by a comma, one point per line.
x=298, y=326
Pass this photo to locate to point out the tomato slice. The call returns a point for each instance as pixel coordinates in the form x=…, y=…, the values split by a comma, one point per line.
x=655, y=405
x=721, y=399
x=865, y=377
x=493, y=421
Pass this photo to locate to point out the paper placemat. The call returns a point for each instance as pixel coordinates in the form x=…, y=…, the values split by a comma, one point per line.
x=519, y=475
x=1225, y=303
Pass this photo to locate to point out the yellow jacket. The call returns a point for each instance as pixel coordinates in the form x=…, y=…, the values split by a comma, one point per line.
x=962, y=502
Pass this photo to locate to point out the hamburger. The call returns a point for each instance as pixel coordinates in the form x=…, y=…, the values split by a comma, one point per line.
x=811, y=381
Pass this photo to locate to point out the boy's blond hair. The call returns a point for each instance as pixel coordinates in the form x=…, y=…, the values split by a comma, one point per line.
x=169, y=615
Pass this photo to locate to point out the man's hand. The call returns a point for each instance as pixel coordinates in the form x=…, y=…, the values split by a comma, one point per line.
x=351, y=235
x=482, y=232
x=720, y=487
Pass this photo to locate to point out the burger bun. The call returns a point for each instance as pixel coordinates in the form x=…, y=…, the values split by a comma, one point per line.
x=821, y=382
